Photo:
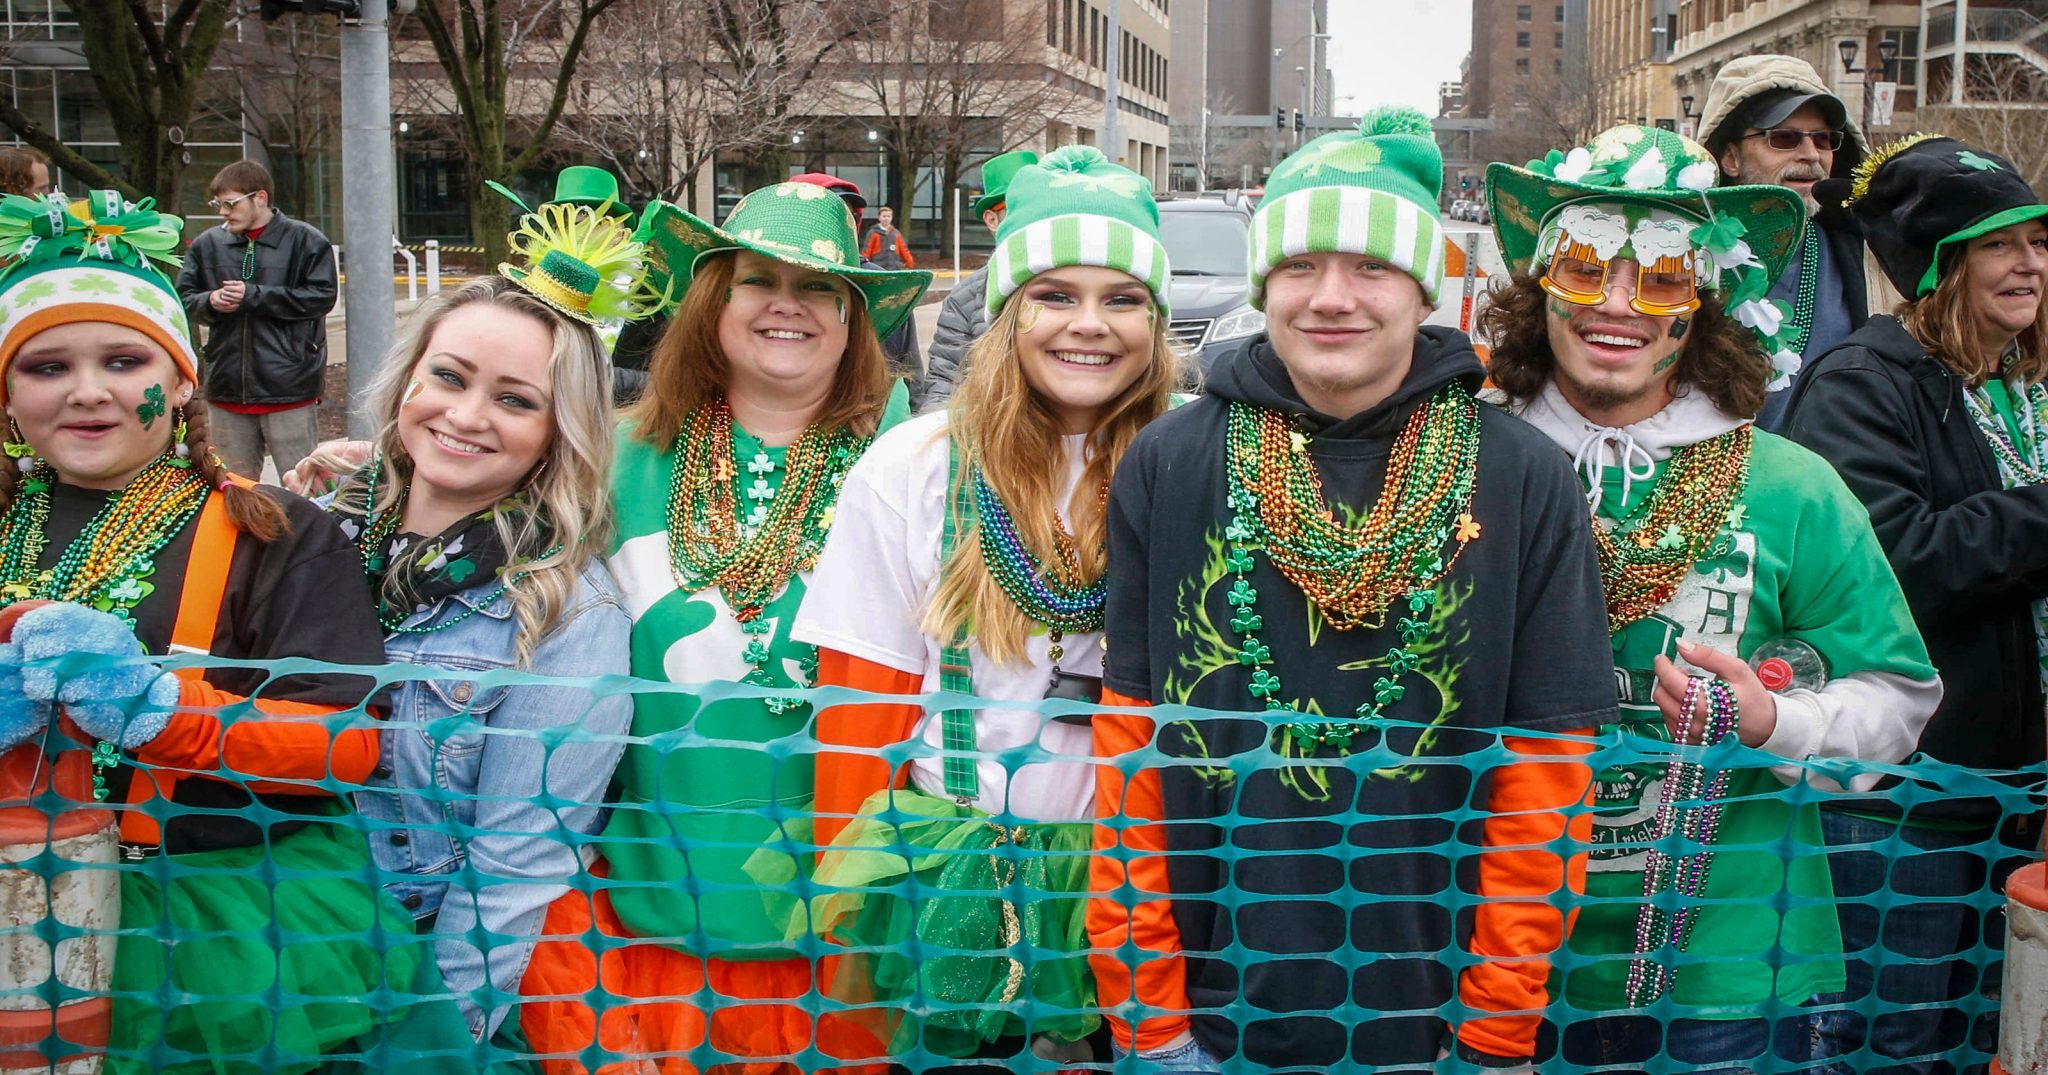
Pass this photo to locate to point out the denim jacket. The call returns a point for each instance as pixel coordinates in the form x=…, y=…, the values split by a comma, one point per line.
x=466, y=828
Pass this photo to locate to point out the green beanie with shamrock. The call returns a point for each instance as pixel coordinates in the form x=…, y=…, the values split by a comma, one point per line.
x=1076, y=208
x=1372, y=191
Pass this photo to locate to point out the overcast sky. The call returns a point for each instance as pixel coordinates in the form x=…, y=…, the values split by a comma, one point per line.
x=1396, y=51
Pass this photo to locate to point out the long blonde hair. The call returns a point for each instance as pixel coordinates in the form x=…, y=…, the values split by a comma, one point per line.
x=569, y=493
x=1013, y=436
x=689, y=368
x=1943, y=322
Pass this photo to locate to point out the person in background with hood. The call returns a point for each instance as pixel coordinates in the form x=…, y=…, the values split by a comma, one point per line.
x=1938, y=420
x=1771, y=120
x=1720, y=545
x=1394, y=588
x=964, y=315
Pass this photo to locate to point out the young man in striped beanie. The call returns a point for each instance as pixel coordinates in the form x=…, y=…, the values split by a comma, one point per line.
x=1396, y=586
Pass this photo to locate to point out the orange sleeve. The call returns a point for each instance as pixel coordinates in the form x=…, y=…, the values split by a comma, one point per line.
x=1135, y=853
x=1516, y=927
x=903, y=251
x=846, y=778
x=293, y=744
x=874, y=245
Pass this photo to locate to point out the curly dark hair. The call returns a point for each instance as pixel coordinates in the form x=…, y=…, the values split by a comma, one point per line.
x=1721, y=357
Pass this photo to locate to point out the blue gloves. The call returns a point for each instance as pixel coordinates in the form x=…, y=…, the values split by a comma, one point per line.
x=126, y=701
x=21, y=718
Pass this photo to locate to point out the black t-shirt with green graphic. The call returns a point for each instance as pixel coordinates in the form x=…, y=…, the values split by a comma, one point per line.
x=1341, y=882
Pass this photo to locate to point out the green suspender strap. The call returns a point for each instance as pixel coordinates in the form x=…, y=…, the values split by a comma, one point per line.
x=956, y=670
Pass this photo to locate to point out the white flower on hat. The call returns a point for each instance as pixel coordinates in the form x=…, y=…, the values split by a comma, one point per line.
x=1784, y=366
x=1739, y=256
x=1699, y=175
x=1762, y=315
x=1574, y=166
x=1647, y=173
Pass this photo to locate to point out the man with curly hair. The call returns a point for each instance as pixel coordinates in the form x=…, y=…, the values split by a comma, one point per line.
x=1746, y=595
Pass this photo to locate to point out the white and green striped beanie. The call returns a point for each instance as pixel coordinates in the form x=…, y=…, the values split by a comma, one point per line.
x=1076, y=208
x=1370, y=191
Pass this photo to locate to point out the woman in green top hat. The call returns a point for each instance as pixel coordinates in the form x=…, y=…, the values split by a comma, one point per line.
x=768, y=385
x=1937, y=418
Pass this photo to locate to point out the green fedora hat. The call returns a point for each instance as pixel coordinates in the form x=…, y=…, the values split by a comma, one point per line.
x=996, y=173
x=1646, y=166
x=798, y=223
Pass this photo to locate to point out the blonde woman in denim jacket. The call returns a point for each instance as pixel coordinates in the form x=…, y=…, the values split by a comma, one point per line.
x=481, y=517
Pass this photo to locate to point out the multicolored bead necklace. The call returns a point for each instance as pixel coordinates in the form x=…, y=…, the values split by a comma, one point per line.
x=1646, y=555
x=1051, y=595
x=2027, y=462
x=1351, y=574
x=106, y=566
x=709, y=544
x=1684, y=782
x=374, y=543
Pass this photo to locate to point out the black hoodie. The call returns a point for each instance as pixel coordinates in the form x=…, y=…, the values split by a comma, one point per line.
x=1345, y=892
x=1969, y=553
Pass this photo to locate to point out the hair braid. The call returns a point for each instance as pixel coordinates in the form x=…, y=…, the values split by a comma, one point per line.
x=253, y=511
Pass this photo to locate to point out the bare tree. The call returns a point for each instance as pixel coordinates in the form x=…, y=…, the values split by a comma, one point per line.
x=660, y=109
x=944, y=79
x=148, y=62
x=506, y=62
x=2004, y=110
x=289, y=82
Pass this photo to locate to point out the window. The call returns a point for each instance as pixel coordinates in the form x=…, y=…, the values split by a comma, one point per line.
x=1559, y=17
x=1522, y=13
x=1906, y=66
x=1052, y=23
x=1522, y=65
x=1557, y=66
x=1557, y=39
x=1522, y=39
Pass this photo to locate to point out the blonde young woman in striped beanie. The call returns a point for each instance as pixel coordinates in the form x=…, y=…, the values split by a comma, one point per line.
x=969, y=555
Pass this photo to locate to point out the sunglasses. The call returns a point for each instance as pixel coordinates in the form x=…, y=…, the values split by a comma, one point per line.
x=1787, y=138
x=1665, y=291
x=221, y=205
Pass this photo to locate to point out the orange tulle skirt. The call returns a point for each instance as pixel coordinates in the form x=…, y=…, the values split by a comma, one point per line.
x=645, y=1009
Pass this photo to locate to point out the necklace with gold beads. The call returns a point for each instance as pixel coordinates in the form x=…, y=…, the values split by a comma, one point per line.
x=107, y=566
x=1645, y=556
x=752, y=560
x=1351, y=574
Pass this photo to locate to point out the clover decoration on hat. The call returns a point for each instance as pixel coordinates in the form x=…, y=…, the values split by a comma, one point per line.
x=101, y=258
x=799, y=224
x=1076, y=208
x=1924, y=193
x=1371, y=191
x=583, y=262
x=1648, y=194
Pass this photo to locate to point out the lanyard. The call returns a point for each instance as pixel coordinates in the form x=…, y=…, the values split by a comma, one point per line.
x=2002, y=401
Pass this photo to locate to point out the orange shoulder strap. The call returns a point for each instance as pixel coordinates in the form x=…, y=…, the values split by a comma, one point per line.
x=206, y=579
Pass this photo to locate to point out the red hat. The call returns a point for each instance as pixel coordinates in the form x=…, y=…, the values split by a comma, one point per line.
x=845, y=188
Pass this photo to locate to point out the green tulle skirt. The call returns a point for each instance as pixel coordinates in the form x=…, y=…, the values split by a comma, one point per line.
x=973, y=931
x=262, y=959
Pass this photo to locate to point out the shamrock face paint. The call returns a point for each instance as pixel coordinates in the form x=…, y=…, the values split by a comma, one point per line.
x=152, y=406
x=413, y=388
x=1581, y=244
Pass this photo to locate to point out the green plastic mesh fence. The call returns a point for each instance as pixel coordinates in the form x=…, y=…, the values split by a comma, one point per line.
x=1352, y=909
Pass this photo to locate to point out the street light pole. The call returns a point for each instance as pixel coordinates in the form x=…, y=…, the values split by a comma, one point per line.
x=1273, y=102
x=1301, y=118
x=369, y=205
x=1112, y=139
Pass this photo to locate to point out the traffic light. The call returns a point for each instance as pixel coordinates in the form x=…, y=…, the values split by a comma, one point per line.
x=271, y=10
x=1300, y=121
x=1279, y=116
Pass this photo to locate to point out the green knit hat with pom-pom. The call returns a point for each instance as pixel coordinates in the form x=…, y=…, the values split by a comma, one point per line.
x=1075, y=207
x=1371, y=191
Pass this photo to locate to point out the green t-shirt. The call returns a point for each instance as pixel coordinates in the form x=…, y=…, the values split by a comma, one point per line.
x=714, y=815
x=1796, y=559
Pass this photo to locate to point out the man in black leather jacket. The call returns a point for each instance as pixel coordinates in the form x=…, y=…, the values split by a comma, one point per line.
x=263, y=285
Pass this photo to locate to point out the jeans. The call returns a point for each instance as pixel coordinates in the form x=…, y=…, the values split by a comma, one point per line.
x=1644, y=1045
x=1923, y=916
x=243, y=439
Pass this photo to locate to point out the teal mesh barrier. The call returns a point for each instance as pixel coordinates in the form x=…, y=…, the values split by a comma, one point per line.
x=297, y=945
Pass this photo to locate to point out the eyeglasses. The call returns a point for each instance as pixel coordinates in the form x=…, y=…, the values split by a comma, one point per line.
x=1785, y=139
x=1666, y=291
x=222, y=205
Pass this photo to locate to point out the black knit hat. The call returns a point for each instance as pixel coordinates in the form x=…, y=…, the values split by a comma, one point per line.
x=1920, y=194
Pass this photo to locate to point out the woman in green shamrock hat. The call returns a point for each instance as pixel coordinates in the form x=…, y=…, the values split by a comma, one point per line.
x=768, y=385
x=250, y=938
